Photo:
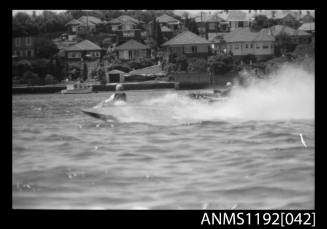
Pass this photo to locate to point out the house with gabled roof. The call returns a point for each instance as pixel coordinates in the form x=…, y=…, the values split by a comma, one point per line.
x=238, y=19
x=132, y=49
x=123, y=22
x=209, y=24
x=242, y=42
x=85, y=53
x=297, y=36
x=83, y=24
x=168, y=21
x=307, y=27
x=188, y=44
x=285, y=17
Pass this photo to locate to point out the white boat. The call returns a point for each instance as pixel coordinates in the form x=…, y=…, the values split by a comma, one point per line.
x=77, y=88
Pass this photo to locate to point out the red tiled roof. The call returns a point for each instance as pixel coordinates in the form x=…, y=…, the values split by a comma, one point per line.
x=131, y=45
x=85, y=45
x=186, y=38
x=245, y=35
x=166, y=19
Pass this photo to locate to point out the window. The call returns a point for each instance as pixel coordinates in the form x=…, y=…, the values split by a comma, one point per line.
x=257, y=46
x=246, y=46
x=272, y=46
x=21, y=53
x=17, y=40
x=29, y=53
x=240, y=24
x=212, y=26
x=28, y=41
x=73, y=55
x=265, y=46
x=236, y=47
x=230, y=46
x=194, y=49
x=251, y=46
x=187, y=49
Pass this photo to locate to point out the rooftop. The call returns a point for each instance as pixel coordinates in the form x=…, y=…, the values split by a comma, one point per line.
x=278, y=29
x=307, y=27
x=84, y=45
x=124, y=19
x=90, y=19
x=186, y=38
x=131, y=45
x=166, y=19
x=237, y=15
x=245, y=35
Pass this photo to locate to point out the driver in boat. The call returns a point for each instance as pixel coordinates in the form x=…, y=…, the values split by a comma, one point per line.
x=225, y=91
x=117, y=96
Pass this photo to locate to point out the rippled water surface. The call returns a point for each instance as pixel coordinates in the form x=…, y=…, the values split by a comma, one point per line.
x=161, y=158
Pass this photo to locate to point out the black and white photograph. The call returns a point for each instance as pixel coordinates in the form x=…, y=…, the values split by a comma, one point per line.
x=136, y=109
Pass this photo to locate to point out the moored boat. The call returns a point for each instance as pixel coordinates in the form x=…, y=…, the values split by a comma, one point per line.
x=77, y=88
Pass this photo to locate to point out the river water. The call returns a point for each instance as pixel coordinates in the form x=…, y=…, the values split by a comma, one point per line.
x=164, y=152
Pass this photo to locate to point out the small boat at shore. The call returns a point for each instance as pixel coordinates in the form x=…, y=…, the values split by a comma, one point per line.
x=77, y=88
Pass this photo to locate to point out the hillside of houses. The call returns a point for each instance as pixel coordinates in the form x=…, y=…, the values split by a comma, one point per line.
x=97, y=46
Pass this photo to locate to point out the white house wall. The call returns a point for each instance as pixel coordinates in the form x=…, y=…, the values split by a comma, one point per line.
x=245, y=48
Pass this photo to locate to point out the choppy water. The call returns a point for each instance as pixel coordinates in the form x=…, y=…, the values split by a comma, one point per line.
x=253, y=151
x=65, y=159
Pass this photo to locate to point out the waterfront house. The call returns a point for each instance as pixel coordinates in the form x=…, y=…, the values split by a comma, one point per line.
x=83, y=52
x=297, y=36
x=23, y=47
x=210, y=25
x=126, y=27
x=238, y=19
x=285, y=17
x=82, y=25
x=308, y=27
x=242, y=42
x=172, y=23
x=132, y=49
x=188, y=44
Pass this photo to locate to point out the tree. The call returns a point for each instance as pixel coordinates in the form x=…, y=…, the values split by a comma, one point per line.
x=157, y=35
x=197, y=65
x=260, y=22
x=45, y=48
x=284, y=43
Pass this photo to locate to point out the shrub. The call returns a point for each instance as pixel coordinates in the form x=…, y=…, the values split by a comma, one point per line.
x=197, y=65
x=182, y=63
x=102, y=76
x=49, y=79
x=31, y=78
x=171, y=67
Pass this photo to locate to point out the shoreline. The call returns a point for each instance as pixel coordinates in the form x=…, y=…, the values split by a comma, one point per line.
x=48, y=89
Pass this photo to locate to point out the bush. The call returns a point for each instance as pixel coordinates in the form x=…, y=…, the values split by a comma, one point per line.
x=197, y=65
x=102, y=76
x=120, y=67
x=49, y=79
x=31, y=78
x=171, y=67
x=220, y=64
x=182, y=63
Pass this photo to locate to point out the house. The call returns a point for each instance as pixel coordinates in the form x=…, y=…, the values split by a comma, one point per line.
x=297, y=36
x=83, y=52
x=210, y=25
x=23, y=47
x=188, y=44
x=126, y=27
x=238, y=19
x=83, y=25
x=132, y=49
x=242, y=42
x=285, y=17
x=308, y=27
x=168, y=21
x=123, y=22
